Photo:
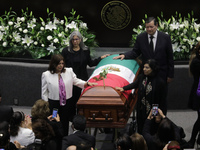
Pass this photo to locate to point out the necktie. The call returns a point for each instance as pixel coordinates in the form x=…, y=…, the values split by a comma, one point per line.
x=151, y=43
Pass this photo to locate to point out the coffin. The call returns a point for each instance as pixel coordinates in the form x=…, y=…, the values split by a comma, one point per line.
x=102, y=105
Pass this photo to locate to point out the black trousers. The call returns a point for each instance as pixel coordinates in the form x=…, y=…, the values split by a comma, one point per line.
x=65, y=112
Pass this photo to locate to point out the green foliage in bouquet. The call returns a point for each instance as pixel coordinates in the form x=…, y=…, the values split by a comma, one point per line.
x=184, y=32
x=39, y=37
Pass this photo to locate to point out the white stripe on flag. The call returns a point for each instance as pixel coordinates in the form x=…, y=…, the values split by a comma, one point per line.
x=124, y=72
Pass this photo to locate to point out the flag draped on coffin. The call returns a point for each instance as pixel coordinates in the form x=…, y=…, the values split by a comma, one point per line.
x=120, y=73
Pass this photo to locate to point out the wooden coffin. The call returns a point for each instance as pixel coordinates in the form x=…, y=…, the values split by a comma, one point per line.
x=104, y=106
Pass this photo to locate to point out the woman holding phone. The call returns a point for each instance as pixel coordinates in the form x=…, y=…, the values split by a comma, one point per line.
x=57, y=85
x=151, y=90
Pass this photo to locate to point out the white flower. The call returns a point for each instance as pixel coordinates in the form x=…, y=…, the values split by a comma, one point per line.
x=31, y=25
x=43, y=23
x=10, y=23
x=55, y=40
x=196, y=27
x=66, y=30
x=62, y=22
x=162, y=25
x=16, y=36
x=34, y=20
x=49, y=37
x=25, y=31
x=18, y=19
x=17, y=24
x=60, y=34
x=84, y=39
x=186, y=23
x=42, y=45
x=56, y=21
x=72, y=25
x=174, y=26
x=50, y=26
x=51, y=48
x=35, y=43
x=1, y=35
x=198, y=38
x=5, y=44
x=176, y=47
x=140, y=27
x=22, y=19
x=2, y=28
x=27, y=40
x=83, y=25
x=66, y=41
x=20, y=29
x=42, y=28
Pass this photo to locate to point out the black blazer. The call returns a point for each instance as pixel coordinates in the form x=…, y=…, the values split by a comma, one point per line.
x=78, y=136
x=6, y=113
x=163, y=53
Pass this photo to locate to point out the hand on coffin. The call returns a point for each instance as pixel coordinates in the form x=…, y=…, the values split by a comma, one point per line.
x=119, y=57
x=119, y=89
x=90, y=84
x=104, y=56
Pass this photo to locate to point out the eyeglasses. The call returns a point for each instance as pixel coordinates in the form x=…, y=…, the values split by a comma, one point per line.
x=75, y=39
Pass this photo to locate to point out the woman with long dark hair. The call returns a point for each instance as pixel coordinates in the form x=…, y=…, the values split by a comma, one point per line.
x=19, y=131
x=151, y=90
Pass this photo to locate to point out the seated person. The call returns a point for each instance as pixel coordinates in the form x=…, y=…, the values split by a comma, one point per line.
x=123, y=142
x=18, y=129
x=44, y=131
x=78, y=126
x=138, y=142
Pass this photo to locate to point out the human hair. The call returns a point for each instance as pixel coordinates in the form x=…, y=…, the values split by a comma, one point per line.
x=83, y=145
x=124, y=142
x=42, y=129
x=138, y=142
x=79, y=122
x=40, y=109
x=149, y=19
x=153, y=65
x=15, y=122
x=55, y=60
x=173, y=145
x=165, y=132
x=4, y=138
x=82, y=45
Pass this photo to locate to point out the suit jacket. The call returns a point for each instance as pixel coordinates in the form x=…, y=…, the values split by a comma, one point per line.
x=50, y=86
x=78, y=136
x=6, y=113
x=163, y=53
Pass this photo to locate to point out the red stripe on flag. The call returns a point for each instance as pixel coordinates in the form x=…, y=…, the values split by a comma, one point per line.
x=112, y=80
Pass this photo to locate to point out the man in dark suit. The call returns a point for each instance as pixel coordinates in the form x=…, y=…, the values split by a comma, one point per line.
x=159, y=49
x=78, y=126
x=6, y=112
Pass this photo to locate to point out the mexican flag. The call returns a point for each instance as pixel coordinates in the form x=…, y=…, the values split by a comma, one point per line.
x=120, y=73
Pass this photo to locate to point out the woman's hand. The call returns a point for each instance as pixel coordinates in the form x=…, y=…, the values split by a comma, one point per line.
x=90, y=84
x=150, y=115
x=119, y=89
x=104, y=56
x=57, y=118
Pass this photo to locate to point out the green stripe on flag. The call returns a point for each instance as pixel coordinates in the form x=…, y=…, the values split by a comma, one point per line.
x=129, y=63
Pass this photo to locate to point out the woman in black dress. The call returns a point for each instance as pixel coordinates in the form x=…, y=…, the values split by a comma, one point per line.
x=194, y=100
x=151, y=90
x=77, y=56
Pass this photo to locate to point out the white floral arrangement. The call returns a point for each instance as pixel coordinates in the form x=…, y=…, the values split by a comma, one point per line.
x=38, y=37
x=184, y=32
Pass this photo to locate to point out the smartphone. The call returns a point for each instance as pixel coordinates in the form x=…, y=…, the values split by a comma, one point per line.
x=154, y=109
x=55, y=112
